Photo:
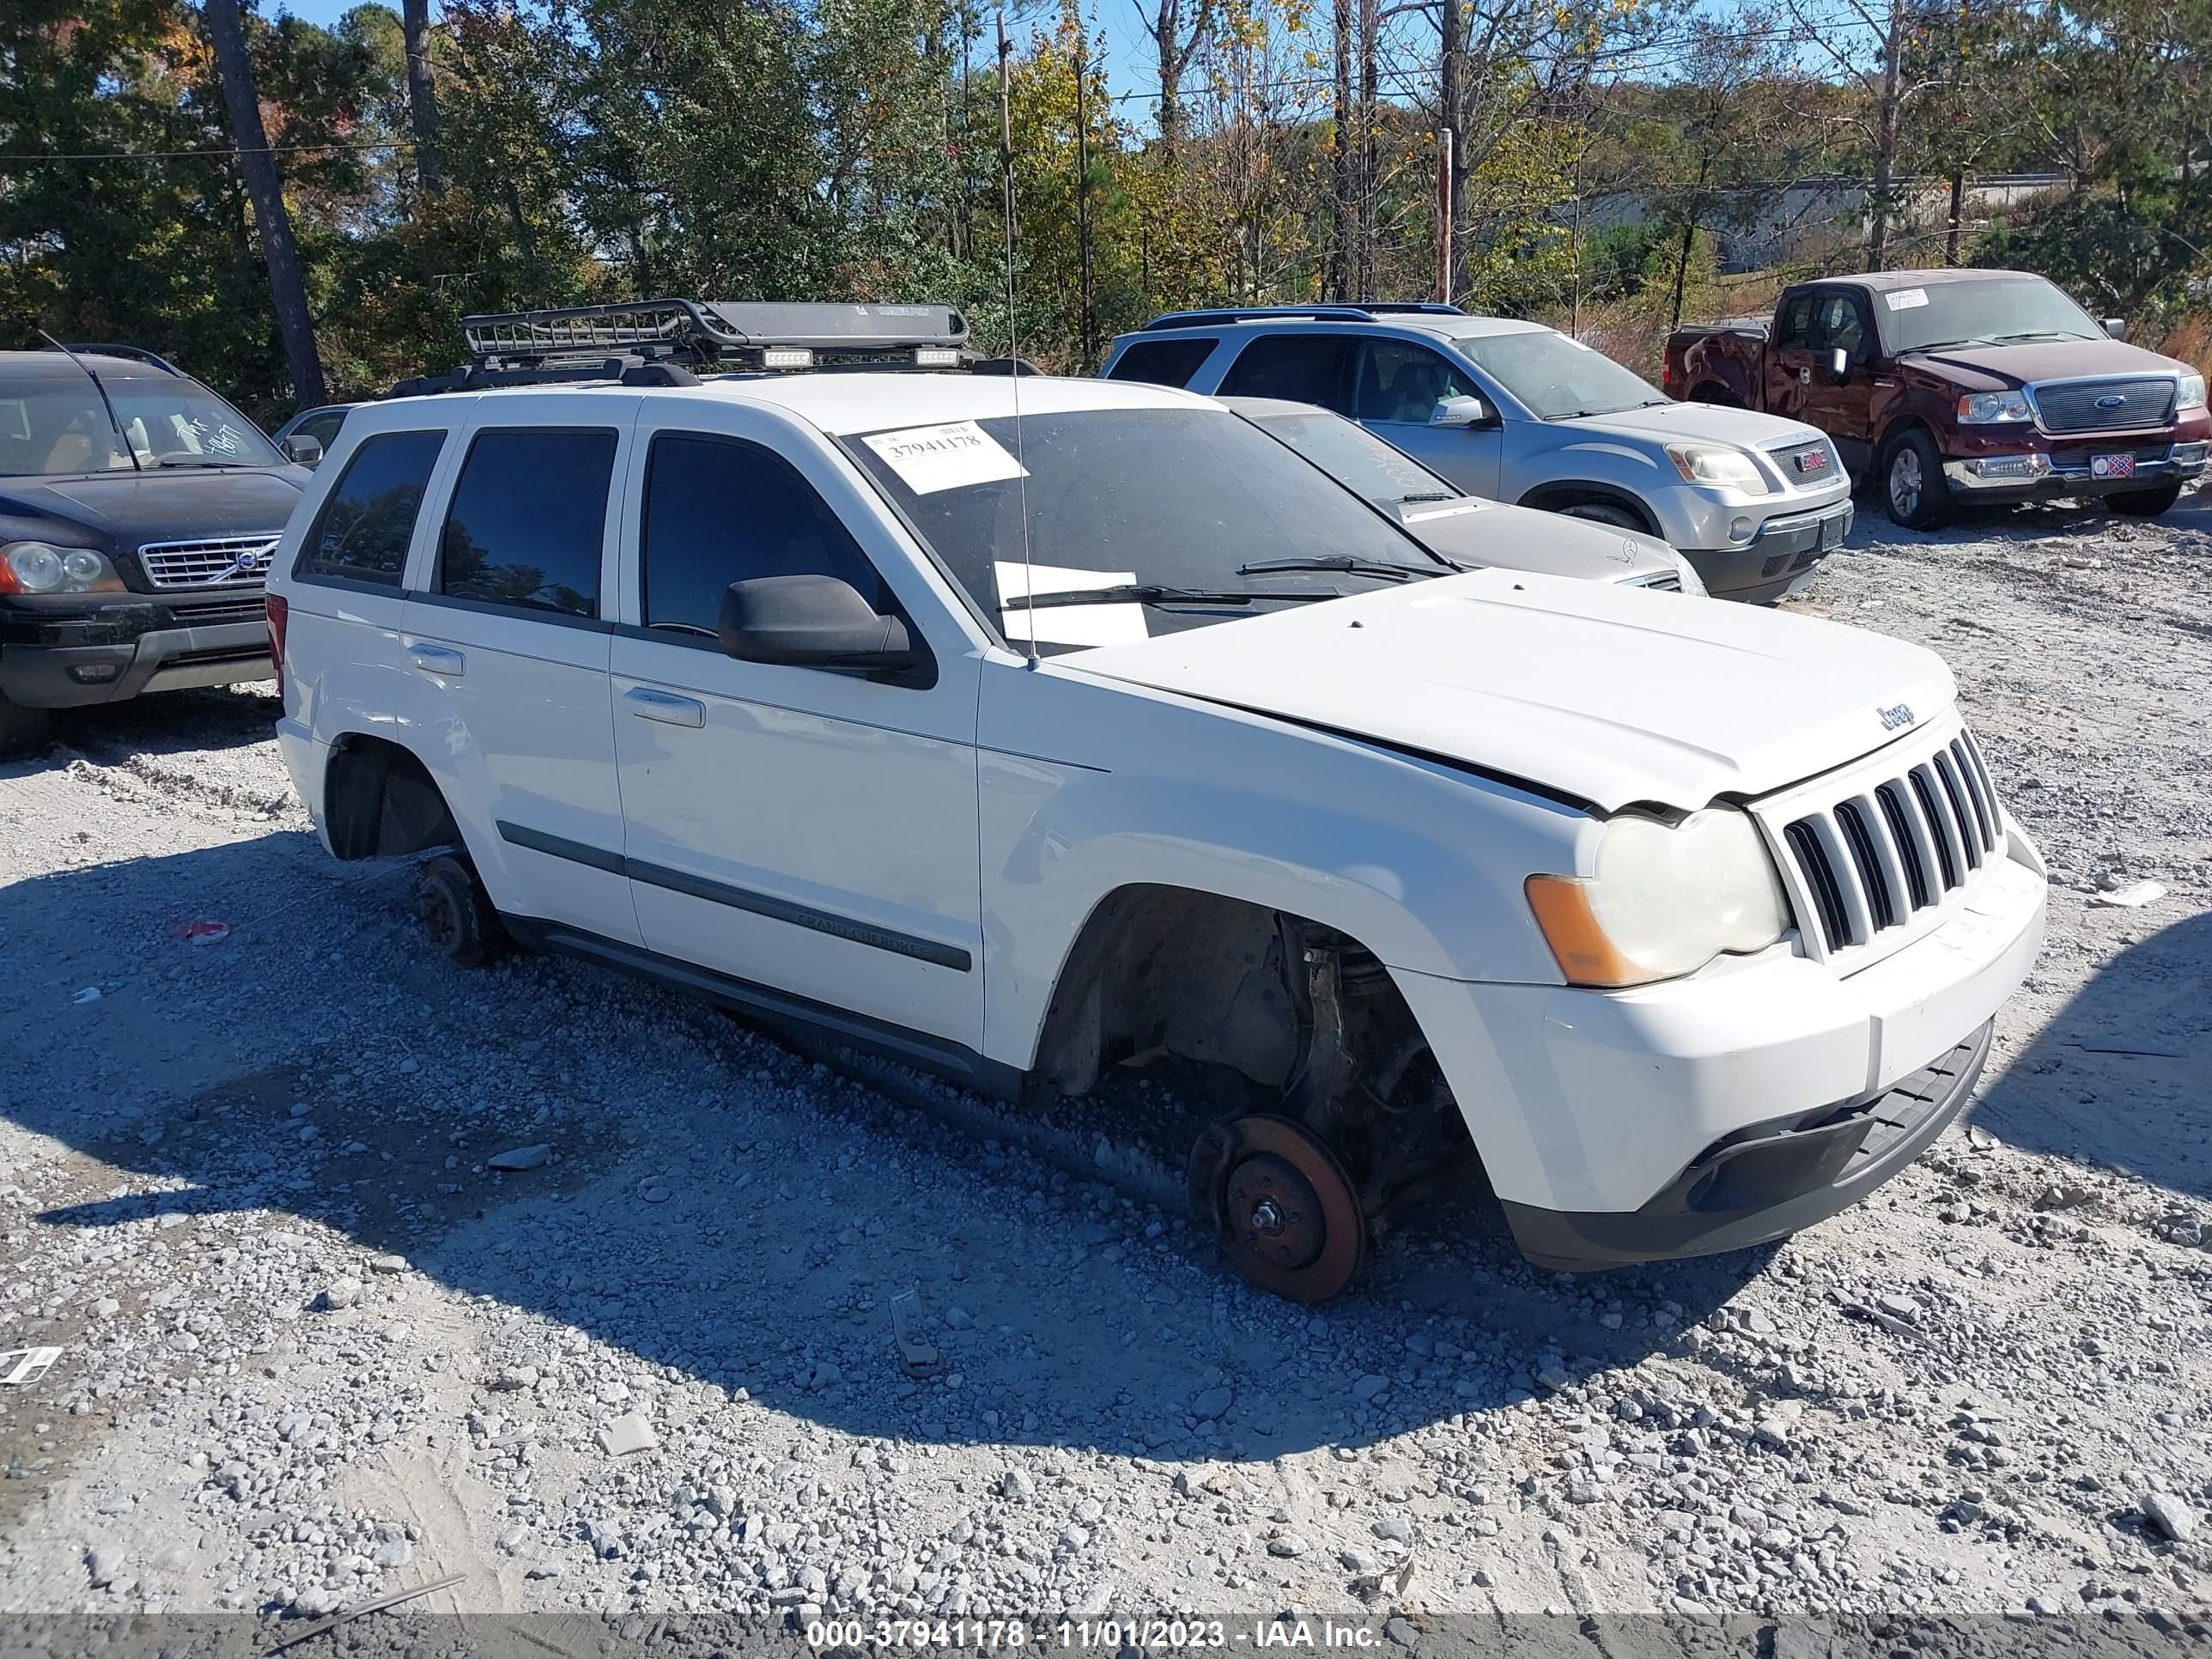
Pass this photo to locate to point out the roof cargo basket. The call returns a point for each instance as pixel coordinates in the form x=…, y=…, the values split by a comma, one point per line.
x=660, y=342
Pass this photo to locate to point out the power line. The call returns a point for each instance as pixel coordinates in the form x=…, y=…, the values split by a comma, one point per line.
x=182, y=154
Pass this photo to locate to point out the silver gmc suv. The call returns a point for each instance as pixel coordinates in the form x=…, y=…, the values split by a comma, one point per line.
x=1524, y=414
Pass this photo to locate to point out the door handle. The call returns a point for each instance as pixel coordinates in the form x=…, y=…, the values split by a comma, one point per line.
x=649, y=704
x=438, y=659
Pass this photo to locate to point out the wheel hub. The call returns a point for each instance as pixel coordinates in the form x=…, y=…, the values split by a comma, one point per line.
x=441, y=918
x=1280, y=1204
x=1905, y=480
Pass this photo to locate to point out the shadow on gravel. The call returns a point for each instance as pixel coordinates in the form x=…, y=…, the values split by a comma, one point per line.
x=720, y=1208
x=2123, y=1077
x=213, y=717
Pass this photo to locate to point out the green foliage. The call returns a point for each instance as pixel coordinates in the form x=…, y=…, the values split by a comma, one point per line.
x=849, y=148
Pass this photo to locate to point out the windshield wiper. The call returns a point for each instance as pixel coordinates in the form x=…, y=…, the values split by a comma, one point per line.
x=2041, y=334
x=1155, y=593
x=199, y=461
x=1345, y=562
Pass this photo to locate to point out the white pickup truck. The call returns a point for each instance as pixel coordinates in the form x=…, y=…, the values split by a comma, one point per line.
x=1025, y=728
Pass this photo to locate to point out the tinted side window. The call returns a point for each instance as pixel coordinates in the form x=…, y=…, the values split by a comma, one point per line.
x=1841, y=325
x=324, y=428
x=364, y=527
x=1162, y=363
x=718, y=511
x=1405, y=383
x=1797, y=330
x=1305, y=369
x=528, y=519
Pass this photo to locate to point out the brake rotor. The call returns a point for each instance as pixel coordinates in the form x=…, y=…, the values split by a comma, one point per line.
x=1281, y=1204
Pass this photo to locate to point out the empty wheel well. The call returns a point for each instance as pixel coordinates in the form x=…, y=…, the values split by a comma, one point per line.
x=379, y=800
x=1308, y=1015
x=1559, y=497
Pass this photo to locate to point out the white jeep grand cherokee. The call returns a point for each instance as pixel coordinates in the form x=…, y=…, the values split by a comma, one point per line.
x=1683, y=923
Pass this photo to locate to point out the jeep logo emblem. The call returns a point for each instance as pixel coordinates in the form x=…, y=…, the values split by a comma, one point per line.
x=1897, y=714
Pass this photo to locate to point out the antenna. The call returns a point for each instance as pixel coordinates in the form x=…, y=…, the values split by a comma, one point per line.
x=1013, y=348
x=105, y=402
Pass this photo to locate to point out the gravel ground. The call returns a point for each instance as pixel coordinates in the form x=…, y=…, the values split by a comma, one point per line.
x=316, y=1346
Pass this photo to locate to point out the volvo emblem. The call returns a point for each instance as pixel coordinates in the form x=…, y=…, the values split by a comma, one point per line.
x=252, y=561
x=2112, y=400
x=1897, y=714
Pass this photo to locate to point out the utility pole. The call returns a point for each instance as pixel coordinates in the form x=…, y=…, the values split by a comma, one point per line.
x=1088, y=317
x=1444, y=214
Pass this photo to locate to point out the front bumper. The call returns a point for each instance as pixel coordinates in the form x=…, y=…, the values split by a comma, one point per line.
x=1768, y=1181
x=100, y=649
x=1672, y=1120
x=2073, y=470
x=1779, y=558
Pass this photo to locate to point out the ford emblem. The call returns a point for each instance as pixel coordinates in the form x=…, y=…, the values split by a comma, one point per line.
x=1897, y=714
x=2112, y=400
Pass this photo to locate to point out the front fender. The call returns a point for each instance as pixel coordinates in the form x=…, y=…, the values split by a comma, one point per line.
x=1421, y=863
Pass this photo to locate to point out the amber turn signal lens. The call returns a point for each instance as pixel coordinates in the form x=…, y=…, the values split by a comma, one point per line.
x=1562, y=909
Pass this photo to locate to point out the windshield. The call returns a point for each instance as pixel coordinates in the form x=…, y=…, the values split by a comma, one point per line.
x=1556, y=377
x=1982, y=313
x=1179, y=498
x=1356, y=458
x=54, y=425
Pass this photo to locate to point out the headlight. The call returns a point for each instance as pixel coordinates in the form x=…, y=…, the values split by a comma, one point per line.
x=1693, y=583
x=1709, y=464
x=1994, y=409
x=2192, y=395
x=1666, y=900
x=43, y=568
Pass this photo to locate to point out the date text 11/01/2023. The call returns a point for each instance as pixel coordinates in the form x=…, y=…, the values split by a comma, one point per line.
x=1105, y=1635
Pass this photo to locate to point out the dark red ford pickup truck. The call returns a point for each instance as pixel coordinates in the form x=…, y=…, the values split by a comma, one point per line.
x=1955, y=387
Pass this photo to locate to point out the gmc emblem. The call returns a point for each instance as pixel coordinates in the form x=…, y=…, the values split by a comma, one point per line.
x=1812, y=460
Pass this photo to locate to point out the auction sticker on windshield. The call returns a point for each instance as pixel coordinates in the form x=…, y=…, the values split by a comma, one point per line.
x=928, y=458
x=1906, y=298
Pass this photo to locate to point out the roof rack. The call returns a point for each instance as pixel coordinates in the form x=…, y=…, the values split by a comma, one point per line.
x=135, y=354
x=660, y=342
x=1364, y=311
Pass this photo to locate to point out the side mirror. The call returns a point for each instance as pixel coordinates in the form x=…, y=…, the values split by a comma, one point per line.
x=811, y=622
x=2117, y=327
x=1839, y=365
x=1462, y=411
x=303, y=449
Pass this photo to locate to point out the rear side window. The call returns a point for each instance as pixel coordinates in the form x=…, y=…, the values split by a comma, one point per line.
x=364, y=527
x=718, y=511
x=528, y=520
x=1305, y=368
x=1162, y=363
x=1797, y=332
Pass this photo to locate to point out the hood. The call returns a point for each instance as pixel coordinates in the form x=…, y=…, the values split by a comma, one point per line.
x=1713, y=423
x=174, y=504
x=1610, y=694
x=1473, y=531
x=1990, y=368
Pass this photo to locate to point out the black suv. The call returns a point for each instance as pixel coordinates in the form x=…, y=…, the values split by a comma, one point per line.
x=137, y=513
